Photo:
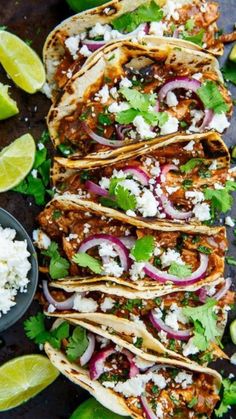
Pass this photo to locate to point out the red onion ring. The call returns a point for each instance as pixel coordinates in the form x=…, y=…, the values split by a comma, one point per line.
x=181, y=82
x=87, y=355
x=59, y=305
x=166, y=169
x=98, y=239
x=163, y=277
x=93, y=45
x=207, y=119
x=149, y=414
x=139, y=173
x=128, y=241
x=223, y=290
x=159, y=324
x=202, y=294
x=121, y=131
x=99, y=139
x=172, y=212
x=157, y=106
x=96, y=189
x=97, y=363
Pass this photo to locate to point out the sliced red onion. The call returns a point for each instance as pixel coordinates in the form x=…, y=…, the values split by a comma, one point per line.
x=157, y=106
x=163, y=277
x=149, y=414
x=87, y=355
x=166, y=169
x=133, y=367
x=97, y=363
x=181, y=82
x=96, y=189
x=59, y=305
x=139, y=173
x=121, y=131
x=159, y=324
x=172, y=212
x=202, y=294
x=223, y=290
x=98, y=239
x=93, y=45
x=207, y=119
x=128, y=241
x=99, y=139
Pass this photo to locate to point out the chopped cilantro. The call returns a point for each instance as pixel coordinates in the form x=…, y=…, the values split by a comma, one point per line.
x=108, y=202
x=189, y=25
x=104, y=119
x=193, y=402
x=65, y=150
x=187, y=183
x=111, y=57
x=204, y=174
x=204, y=249
x=85, y=175
x=221, y=199
x=86, y=261
x=183, y=124
x=229, y=71
x=138, y=343
x=157, y=261
x=196, y=39
x=77, y=344
x=56, y=214
x=190, y=165
x=126, y=117
x=212, y=98
x=145, y=13
x=143, y=248
x=137, y=100
x=155, y=389
x=125, y=199
x=114, y=182
x=231, y=260
x=174, y=400
x=59, y=266
x=181, y=271
x=228, y=399
x=131, y=304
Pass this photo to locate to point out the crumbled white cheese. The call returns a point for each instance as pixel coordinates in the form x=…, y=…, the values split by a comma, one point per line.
x=171, y=189
x=189, y=348
x=131, y=213
x=197, y=117
x=184, y=379
x=112, y=268
x=131, y=185
x=229, y=221
x=99, y=30
x=163, y=336
x=103, y=94
x=107, y=304
x=171, y=99
x=51, y=308
x=202, y=212
x=157, y=28
x=104, y=183
x=41, y=240
x=84, y=305
x=143, y=129
x=134, y=386
x=125, y=82
x=213, y=165
x=170, y=126
x=72, y=44
x=118, y=107
x=219, y=122
x=136, y=271
x=195, y=196
x=147, y=204
x=107, y=249
x=189, y=146
x=197, y=76
x=156, y=170
x=169, y=257
x=84, y=51
x=159, y=411
x=159, y=380
x=114, y=93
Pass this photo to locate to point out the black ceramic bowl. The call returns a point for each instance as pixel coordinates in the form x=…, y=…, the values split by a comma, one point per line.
x=23, y=300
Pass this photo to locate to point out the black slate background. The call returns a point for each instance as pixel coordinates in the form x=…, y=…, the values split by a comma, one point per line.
x=33, y=19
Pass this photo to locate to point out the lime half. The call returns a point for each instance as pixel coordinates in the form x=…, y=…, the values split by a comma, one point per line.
x=232, y=55
x=91, y=409
x=80, y=5
x=233, y=331
x=16, y=161
x=24, y=377
x=8, y=107
x=21, y=63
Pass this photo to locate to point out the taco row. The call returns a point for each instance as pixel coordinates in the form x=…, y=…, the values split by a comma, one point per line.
x=136, y=116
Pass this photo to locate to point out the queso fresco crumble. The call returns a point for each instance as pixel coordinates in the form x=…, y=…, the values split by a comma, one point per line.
x=14, y=267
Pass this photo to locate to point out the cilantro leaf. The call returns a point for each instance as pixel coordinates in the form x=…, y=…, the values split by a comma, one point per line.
x=125, y=200
x=145, y=13
x=181, y=271
x=126, y=117
x=86, y=261
x=104, y=119
x=204, y=249
x=196, y=39
x=34, y=326
x=137, y=100
x=189, y=25
x=143, y=248
x=59, y=266
x=131, y=304
x=114, y=182
x=190, y=165
x=107, y=202
x=221, y=200
x=231, y=260
x=212, y=98
x=206, y=317
x=77, y=344
x=65, y=150
x=228, y=399
x=229, y=72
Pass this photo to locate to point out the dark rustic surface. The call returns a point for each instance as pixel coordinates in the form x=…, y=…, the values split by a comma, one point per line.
x=33, y=19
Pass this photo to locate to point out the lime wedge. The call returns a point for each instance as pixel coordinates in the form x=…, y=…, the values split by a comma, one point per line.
x=21, y=63
x=233, y=331
x=232, y=55
x=80, y=5
x=16, y=161
x=91, y=409
x=24, y=377
x=8, y=107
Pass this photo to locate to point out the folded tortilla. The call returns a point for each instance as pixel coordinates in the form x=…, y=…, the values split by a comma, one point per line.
x=123, y=397
x=67, y=222
x=62, y=60
x=129, y=316
x=75, y=120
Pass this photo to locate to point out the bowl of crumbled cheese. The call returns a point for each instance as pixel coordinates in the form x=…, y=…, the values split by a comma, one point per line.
x=18, y=270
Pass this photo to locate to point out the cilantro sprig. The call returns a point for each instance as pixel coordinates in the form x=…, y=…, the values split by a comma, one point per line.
x=190, y=165
x=77, y=343
x=143, y=249
x=37, y=186
x=212, y=98
x=59, y=266
x=86, y=261
x=221, y=199
x=120, y=197
x=196, y=39
x=181, y=271
x=145, y=13
x=228, y=399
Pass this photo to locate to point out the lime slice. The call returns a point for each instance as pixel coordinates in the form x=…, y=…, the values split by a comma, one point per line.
x=232, y=55
x=16, y=161
x=23, y=378
x=233, y=331
x=80, y=5
x=8, y=107
x=91, y=409
x=21, y=63
x=233, y=152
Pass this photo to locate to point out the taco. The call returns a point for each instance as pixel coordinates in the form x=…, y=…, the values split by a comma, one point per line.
x=140, y=387
x=104, y=249
x=173, y=180
x=162, y=325
x=74, y=40
x=130, y=94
